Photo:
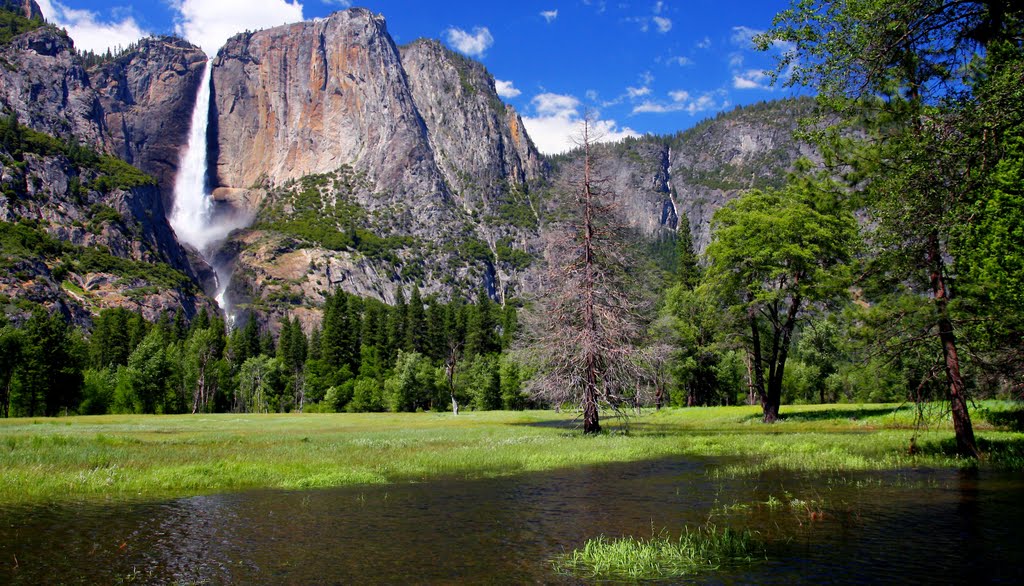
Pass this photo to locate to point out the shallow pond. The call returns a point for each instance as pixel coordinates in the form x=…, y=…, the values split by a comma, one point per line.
x=916, y=526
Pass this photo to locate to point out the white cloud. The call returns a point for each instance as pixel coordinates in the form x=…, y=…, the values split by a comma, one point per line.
x=751, y=79
x=743, y=36
x=683, y=101
x=506, y=89
x=209, y=24
x=679, y=95
x=664, y=24
x=680, y=61
x=89, y=32
x=557, y=119
x=549, y=15
x=658, y=7
x=338, y=3
x=474, y=45
x=704, y=43
x=636, y=92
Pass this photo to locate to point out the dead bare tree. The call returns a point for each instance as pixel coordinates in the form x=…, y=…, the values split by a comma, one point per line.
x=581, y=334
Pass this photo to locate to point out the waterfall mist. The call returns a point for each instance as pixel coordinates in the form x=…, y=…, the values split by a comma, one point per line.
x=197, y=219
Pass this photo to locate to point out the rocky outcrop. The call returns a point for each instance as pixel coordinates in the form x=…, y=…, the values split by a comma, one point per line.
x=439, y=158
x=47, y=86
x=657, y=180
x=477, y=140
x=116, y=249
x=310, y=97
x=27, y=8
x=132, y=106
x=147, y=97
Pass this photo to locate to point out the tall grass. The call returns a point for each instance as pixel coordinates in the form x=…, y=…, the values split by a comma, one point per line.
x=660, y=557
x=126, y=457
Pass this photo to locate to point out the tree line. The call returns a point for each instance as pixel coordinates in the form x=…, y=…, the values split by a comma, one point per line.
x=364, y=356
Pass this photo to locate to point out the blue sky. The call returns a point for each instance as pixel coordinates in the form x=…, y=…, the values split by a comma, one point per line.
x=651, y=66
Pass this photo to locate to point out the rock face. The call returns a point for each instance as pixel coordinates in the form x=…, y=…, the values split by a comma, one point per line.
x=309, y=97
x=136, y=106
x=658, y=180
x=117, y=250
x=147, y=97
x=132, y=106
x=458, y=103
x=49, y=89
x=367, y=167
x=27, y=8
x=417, y=145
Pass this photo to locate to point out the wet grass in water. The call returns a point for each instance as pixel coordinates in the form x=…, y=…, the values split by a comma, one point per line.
x=660, y=557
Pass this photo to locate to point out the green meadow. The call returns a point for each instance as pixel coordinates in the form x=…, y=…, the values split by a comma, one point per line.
x=154, y=456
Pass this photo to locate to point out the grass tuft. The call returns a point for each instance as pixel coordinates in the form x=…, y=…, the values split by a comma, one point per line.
x=660, y=557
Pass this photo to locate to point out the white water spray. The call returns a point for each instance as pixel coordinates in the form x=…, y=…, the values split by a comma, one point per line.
x=195, y=216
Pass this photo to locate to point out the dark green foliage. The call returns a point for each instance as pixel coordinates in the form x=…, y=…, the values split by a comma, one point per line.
x=95, y=260
x=115, y=334
x=482, y=327
x=12, y=345
x=47, y=379
x=13, y=24
x=111, y=172
x=321, y=210
x=517, y=258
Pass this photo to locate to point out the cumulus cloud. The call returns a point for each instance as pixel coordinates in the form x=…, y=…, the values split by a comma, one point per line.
x=550, y=15
x=664, y=24
x=338, y=3
x=636, y=92
x=557, y=119
x=751, y=79
x=743, y=36
x=89, y=30
x=474, y=45
x=506, y=89
x=210, y=24
x=704, y=43
x=680, y=61
x=683, y=101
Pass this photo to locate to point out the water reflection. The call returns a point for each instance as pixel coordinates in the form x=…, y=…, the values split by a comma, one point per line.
x=908, y=527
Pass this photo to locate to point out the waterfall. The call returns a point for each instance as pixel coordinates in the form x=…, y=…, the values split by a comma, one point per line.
x=193, y=208
x=196, y=218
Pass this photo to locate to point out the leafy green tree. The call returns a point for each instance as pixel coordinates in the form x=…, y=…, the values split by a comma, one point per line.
x=142, y=385
x=257, y=389
x=411, y=386
x=48, y=378
x=773, y=256
x=480, y=381
x=922, y=69
x=510, y=377
x=200, y=368
x=481, y=327
x=416, y=323
x=695, y=325
x=110, y=342
x=11, y=346
x=97, y=391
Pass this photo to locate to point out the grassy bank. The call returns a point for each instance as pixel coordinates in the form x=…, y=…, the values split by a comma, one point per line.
x=126, y=457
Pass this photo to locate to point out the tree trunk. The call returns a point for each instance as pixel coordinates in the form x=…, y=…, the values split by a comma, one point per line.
x=770, y=412
x=783, y=339
x=965, y=443
x=591, y=422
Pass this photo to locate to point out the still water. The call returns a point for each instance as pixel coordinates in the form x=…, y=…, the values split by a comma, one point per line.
x=913, y=526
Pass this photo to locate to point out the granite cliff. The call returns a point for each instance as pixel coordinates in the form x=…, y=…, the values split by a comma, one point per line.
x=366, y=166
x=69, y=128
